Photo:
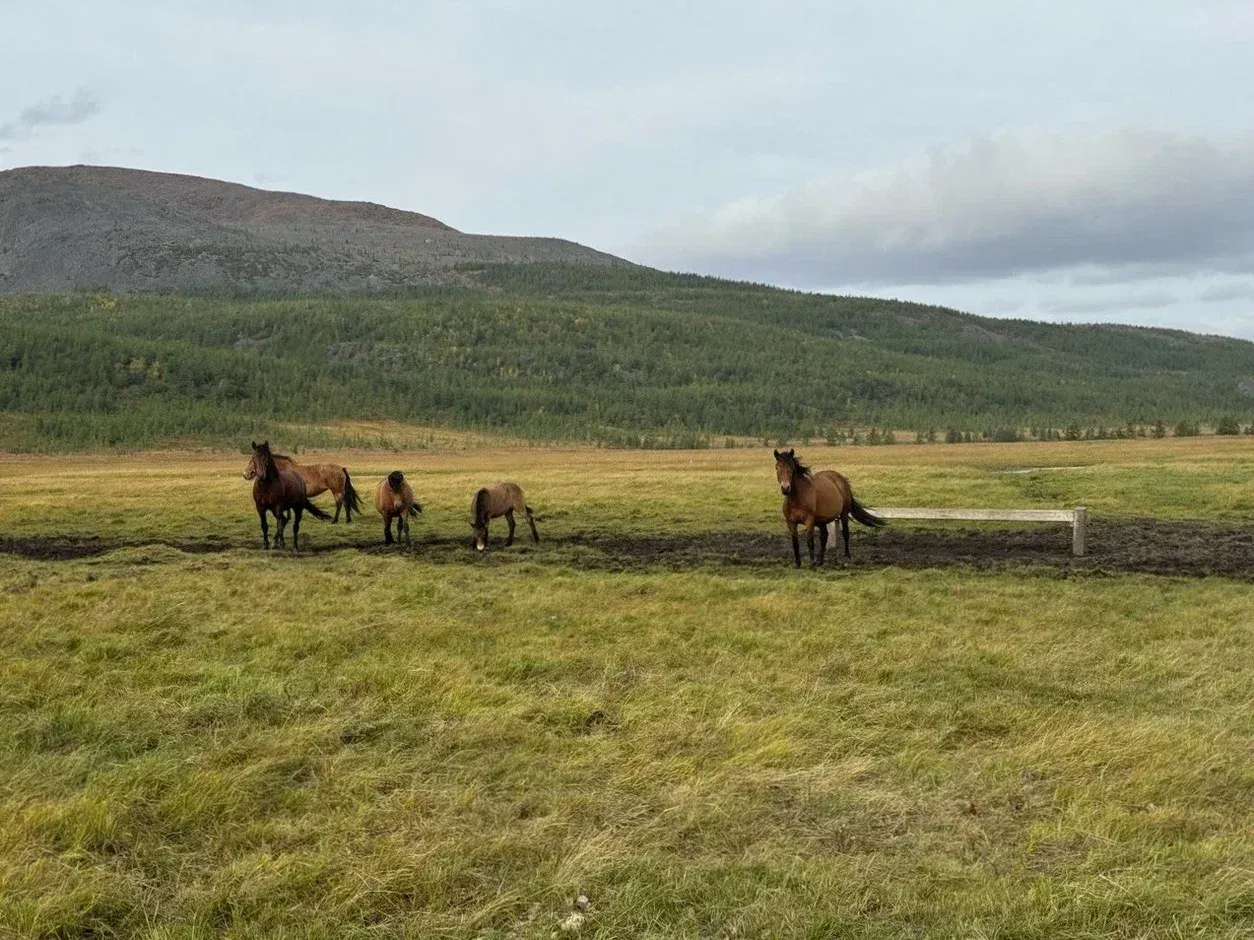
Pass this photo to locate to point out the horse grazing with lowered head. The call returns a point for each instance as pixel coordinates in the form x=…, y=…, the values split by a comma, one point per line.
x=394, y=498
x=277, y=491
x=504, y=499
x=320, y=477
x=814, y=499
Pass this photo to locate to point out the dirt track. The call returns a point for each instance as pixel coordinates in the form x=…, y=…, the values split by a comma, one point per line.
x=1165, y=548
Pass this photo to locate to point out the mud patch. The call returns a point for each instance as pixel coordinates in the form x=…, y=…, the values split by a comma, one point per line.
x=1192, y=549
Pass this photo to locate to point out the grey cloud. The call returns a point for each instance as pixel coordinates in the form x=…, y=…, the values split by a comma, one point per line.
x=1153, y=300
x=1003, y=205
x=1224, y=292
x=56, y=110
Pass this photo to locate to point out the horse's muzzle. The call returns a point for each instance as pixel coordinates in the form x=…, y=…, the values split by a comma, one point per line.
x=786, y=490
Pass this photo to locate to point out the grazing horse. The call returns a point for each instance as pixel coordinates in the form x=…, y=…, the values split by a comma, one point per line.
x=814, y=499
x=320, y=477
x=394, y=498
x=504, y=499
x=276, y=491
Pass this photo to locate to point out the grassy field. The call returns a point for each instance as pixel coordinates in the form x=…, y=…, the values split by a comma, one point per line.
x=357, y=743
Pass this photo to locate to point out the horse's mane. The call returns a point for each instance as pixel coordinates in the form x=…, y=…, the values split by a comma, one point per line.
x=480, y=497
x=395, y=479
x=797, y=465
x=264, y=471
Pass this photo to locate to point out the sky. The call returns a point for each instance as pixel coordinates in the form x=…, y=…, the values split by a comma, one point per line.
x=1064, y=161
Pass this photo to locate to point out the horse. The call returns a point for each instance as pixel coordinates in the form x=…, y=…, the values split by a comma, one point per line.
x=276, y=491
x=814, y=499
x=504, y=499
x=394, y=498
x=320, y=477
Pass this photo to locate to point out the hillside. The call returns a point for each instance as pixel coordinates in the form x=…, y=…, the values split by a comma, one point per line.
x=621, y=355
x=63, y=228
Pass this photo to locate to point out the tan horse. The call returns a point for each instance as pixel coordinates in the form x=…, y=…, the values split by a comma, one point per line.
x=504, y=499
x=320, y=477
x=394, y=498
x=276, y=491
x=814, y=500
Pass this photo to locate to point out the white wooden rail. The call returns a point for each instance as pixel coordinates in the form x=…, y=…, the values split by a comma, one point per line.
x=1078, y=517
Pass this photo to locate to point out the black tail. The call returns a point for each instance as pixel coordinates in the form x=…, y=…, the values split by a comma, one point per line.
x=415, y=508
x=315, y=511
x=861, y=515
x=352, y=503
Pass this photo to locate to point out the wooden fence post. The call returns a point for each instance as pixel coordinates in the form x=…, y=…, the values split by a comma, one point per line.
x=1077, y=530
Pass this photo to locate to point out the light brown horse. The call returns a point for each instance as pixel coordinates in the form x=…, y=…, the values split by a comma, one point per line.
x=320, y=477
x=504, y=499
x=813, y=499
x=276, y=491
x=394, y=498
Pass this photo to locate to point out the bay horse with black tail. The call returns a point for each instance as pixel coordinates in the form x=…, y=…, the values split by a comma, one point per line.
x=394, y=498
x=814, y=499
x=320, y=477
x=276, y=491
x=504, y=499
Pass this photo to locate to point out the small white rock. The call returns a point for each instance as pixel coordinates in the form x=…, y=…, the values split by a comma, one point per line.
x=572, y=923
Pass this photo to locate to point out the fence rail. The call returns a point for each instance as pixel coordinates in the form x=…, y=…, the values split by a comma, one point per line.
x=1078, y=517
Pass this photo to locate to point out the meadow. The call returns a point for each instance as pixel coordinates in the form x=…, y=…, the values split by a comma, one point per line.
x=651, y=707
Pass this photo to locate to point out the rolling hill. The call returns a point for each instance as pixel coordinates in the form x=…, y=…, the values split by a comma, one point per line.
x=63, y=228
x=418, y=323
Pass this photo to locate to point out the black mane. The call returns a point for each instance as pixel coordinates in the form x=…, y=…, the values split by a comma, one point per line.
x=797, y=466
x=395, y=479
x=480, y=510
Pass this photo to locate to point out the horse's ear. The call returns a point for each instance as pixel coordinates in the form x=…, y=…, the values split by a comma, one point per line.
x=776, y=453
x=792, y=451
x=254, y=444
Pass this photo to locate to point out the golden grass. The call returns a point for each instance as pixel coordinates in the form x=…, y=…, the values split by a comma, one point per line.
x=342, y=745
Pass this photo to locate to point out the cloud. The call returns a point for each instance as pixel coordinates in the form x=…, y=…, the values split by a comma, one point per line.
x=1002, y=205
x=79, y=107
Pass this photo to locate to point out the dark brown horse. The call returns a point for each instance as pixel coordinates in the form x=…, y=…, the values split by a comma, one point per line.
x=813, y=499
x=394, y=498
x=320, y=477
x=504, y=499
x=276, y=491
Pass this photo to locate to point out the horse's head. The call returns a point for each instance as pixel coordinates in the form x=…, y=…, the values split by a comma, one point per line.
x=395, y=480
x=259, y=461
x=787, y=470
x=479, y=520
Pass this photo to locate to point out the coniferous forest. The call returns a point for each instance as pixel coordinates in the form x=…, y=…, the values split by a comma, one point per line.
x=618, y=355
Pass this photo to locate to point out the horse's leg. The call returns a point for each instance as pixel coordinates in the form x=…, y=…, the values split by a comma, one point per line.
x=339, y=501
x=387, y=530
x=509, y=517
x=265, y=528
x=531, y=522
x=796, y=545
x=280, y=539
x=822, y=544
x=810, y=541
x=404, y=522
x=844, y=531
x=296, y=529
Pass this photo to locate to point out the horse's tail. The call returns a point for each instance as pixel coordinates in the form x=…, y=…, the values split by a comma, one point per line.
x=352, y=503
x=315, y=511
x=858, y=511
x=415, y=508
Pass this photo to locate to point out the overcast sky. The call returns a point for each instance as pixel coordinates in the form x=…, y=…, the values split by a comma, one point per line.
x=1064, y=161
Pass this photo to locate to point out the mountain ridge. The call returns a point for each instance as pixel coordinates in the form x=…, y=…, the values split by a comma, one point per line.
x=128, y=230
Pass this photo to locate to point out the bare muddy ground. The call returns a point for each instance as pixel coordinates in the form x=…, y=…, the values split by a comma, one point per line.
x=1147, y=546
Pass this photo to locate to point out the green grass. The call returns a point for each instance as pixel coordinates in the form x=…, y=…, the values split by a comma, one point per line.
x=351, y=745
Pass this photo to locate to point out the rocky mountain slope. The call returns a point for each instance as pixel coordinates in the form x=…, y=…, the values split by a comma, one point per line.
x=132, y=230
